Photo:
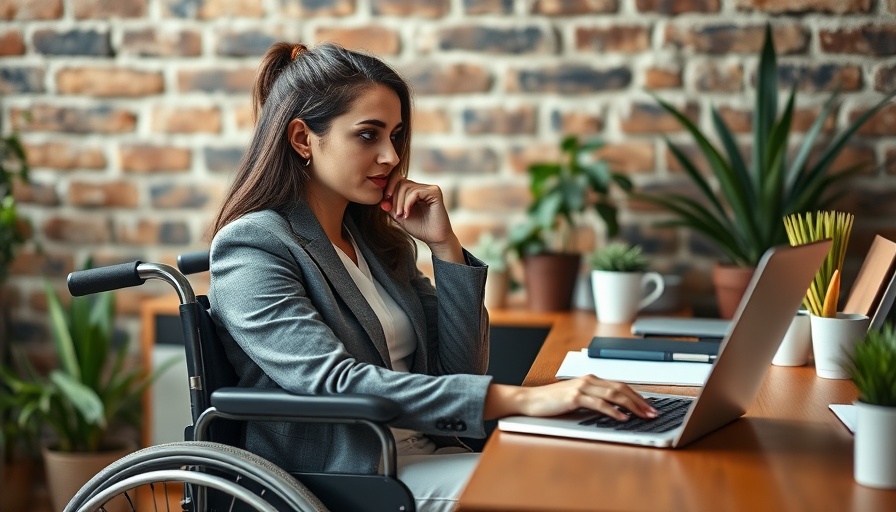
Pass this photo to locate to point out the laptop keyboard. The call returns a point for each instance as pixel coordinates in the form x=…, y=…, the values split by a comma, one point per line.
x=672, y=412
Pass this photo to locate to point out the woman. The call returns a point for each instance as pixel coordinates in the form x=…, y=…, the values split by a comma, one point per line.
x=315, y=289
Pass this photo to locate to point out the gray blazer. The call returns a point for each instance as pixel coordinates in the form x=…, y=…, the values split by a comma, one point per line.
x=291, y=317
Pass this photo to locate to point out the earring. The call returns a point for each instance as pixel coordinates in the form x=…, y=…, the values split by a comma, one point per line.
x=308, y=162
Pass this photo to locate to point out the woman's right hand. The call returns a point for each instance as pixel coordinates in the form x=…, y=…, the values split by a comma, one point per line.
x=587, y=392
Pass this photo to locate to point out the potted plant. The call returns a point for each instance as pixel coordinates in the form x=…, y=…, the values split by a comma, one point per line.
x=561, y=195
x=743, y=217
x=492, y=251
x=83, y=401
x=872, y=367
x=831, y=331
x=18, y=437
x=620, y=282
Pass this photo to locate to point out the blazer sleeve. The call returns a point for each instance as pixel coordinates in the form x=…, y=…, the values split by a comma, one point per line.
x=259, y=296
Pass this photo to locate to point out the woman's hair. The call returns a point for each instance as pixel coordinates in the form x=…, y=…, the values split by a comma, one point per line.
x=316, y=85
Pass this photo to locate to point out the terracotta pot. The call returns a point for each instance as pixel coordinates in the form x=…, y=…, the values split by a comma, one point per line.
x=731, y=283
x=18, y=478
x=550, y=280
x=68, y=472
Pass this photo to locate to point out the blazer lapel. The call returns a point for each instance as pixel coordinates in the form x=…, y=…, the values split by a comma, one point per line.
x=311, y=235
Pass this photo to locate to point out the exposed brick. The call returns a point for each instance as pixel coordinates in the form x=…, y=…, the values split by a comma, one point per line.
x=725, y=39
x=662, y=78
x=428, y=9
x=496, y=197
x=450, y=161
x=891, y=4
x=885, y=79
x=150, y=232
x=475, y=7
x=426, y=78
x=72, y=42
x=782, y=6
x=65, y=156
x=497, y=40
x=48, y=263
x=14, y=79
x=11, y=43
x=573, y=7
x=311, y=8
x=171, y=195
x=116, y=194
x=109, y=82
x=693, y=154
x=102, y=118
x=498, y=120
x=431, y=121
x=242, y=116
x=146, y=158
x=36, y=192
x=673, y=7
x=683, y=186
x=616, y=38
x=654, y=241
x=822, y=77
x=852, y=154
x=186, y=120
x=151, y=42
x=468, y=232
x=737, y=120
x=223, y=159
x=105, y=9
x=865, y=40
x=741, y=121
x=719, y=77
x=881, y=124
x=246, y=43
x=77, y=229
x=629, y=157
x=375, y=39
x=521, y=157
x=576, y=122
x=650, y=118
x=873, y=201
x=231, y=81
x=30, y=9
x=890, y=161
x=568, y=79
x=210, y=9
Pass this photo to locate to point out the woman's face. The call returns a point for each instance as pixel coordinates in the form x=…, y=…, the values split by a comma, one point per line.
x=352, y=162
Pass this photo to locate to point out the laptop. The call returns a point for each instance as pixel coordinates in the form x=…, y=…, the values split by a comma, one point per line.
x=745, y=354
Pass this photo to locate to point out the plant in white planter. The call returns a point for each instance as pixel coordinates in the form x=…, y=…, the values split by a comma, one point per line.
x=493, y=252
x=619, y=282
x=872, y=367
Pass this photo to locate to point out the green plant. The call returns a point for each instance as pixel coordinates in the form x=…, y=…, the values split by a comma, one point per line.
x=13, y=165
x=743, y=218
x=93, y=389
x=491, y=250
x=18, y=426
x=872, y=366
x=824, y=292
x=619, y=257
x=561, y=193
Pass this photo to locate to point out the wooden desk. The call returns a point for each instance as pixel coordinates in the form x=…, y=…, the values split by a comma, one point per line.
x=789, y=452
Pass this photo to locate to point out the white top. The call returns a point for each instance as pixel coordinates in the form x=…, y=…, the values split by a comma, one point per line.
x=400, y=338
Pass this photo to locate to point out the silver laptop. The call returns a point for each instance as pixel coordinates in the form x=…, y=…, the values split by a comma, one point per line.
x=745, y=354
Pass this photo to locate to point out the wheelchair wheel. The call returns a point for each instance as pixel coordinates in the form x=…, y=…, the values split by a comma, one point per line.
x=211, y=477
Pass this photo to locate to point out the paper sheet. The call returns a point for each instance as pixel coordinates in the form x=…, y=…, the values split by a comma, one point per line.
x=667, y=373
x=846, y=414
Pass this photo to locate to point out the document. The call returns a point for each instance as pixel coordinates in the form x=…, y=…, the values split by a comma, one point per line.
x=666, y=373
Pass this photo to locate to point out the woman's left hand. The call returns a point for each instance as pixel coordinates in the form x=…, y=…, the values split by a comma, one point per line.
x=420, y=210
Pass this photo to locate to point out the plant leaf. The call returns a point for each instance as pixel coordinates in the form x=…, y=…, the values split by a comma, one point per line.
x=84, y=399
x=61, y=337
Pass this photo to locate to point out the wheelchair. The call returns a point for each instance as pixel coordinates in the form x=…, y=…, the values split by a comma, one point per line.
x=210, y=467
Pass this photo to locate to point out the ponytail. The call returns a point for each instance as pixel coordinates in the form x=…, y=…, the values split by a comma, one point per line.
x=275, y=60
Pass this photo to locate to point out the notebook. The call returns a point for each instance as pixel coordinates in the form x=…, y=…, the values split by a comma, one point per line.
x=671, y=326
x=745, y=354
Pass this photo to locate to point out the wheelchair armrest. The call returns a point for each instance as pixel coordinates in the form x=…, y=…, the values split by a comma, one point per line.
x=283, y=404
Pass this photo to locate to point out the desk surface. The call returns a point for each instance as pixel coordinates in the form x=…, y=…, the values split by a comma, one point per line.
x=789, y=452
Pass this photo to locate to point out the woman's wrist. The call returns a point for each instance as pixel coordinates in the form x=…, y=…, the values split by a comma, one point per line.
x=503, y=400
x=449, y=250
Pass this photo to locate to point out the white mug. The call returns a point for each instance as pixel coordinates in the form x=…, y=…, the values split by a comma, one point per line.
x=618, y=296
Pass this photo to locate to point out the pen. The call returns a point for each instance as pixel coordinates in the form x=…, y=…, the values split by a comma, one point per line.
x=649, y=355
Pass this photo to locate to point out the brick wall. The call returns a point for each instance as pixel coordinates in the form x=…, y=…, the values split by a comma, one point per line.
x=135, y=112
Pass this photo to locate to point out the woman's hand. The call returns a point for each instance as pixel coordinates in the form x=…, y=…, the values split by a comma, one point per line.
x=588, y=392
x=420, y=210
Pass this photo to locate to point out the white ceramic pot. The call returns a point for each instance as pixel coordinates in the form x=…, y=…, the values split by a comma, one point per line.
x=875, y=446
x=833, y=340
x=794, y=348
x=618, y=296
x=496, y=286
